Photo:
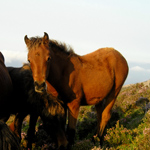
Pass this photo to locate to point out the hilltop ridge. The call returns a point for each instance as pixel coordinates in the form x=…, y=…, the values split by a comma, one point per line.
x=146, y=83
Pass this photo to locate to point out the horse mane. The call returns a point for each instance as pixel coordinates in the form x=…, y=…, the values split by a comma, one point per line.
x=61, y=47
x=51, y=105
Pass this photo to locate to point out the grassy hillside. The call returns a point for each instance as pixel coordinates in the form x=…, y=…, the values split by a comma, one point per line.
x=128, y=129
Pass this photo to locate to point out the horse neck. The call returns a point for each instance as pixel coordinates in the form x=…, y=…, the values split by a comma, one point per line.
x=58, y=65
x=14, y=73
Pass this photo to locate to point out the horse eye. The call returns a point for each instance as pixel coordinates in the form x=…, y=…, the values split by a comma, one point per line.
x=48, y=59
x=28, y=60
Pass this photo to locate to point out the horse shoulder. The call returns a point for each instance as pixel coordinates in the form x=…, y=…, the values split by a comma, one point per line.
x=73, y=68
x=4, y=77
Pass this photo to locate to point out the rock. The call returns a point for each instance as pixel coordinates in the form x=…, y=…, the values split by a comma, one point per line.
x=142, y=101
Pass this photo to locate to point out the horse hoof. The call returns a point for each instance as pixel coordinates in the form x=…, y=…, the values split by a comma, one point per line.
x=62, y=148
x=69, y=147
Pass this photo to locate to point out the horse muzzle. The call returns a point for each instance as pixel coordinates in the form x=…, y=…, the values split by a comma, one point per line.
x=40, y=87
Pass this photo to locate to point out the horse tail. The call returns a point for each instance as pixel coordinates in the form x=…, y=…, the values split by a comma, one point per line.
x=8, y=141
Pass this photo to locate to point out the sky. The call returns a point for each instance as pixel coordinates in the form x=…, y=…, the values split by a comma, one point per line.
x=85, y=25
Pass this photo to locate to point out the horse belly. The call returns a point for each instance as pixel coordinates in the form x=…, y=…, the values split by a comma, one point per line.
x=95, y=96
x=97, y=89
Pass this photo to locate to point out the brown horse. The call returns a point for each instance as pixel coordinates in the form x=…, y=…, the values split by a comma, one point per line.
x=5, y=90
x=26, y=101
x=92, y=79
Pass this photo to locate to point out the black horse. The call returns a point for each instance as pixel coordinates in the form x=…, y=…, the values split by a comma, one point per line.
x=46, y=105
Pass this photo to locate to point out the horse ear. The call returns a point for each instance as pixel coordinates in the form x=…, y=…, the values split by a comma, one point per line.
x=1, y=55
x=27, y=40
x=45, y=38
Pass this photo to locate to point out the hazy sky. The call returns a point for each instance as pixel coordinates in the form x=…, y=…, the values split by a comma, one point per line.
x=86, y=25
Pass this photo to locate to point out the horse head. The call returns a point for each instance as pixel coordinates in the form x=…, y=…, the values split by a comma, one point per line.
x=39, y=59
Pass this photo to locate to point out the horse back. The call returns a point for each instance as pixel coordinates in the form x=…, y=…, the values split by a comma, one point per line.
x=104, y=62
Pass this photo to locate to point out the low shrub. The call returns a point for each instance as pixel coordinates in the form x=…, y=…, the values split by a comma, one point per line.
x=87, y=124
x=118, y=135
x=85, y=144
x=143, y=143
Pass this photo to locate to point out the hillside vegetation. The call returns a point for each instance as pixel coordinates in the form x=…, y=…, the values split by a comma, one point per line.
x=128, y=128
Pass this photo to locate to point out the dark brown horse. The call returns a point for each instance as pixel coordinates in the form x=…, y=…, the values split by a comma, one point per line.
x=5, y=90
x=92, y=79
x=27, y=101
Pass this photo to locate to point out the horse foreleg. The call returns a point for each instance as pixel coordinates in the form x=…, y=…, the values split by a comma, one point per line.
x=60, y=134
x=61, y=138
x=73, y=111
x=31, y=130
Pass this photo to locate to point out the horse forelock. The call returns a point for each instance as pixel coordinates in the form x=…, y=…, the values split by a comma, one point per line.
x=34, y=42
x=26, y=66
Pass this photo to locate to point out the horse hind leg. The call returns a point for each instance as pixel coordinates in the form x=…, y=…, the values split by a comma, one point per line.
x=104, y=112
x=99, y=109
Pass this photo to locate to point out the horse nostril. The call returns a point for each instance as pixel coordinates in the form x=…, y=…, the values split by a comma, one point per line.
x=40, y=86
x=35, y=83
x=43, y=84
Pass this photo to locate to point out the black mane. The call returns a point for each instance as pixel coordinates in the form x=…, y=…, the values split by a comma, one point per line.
x=62, y=47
